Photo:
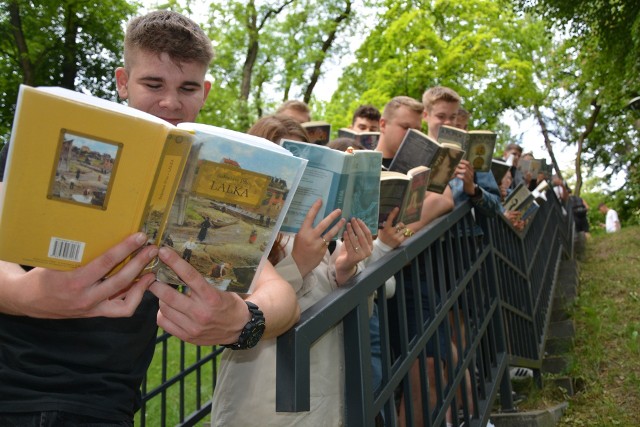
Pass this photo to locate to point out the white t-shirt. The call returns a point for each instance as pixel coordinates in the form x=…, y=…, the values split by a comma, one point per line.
x=612, y=218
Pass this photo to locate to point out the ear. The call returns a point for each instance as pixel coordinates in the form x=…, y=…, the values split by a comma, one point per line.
x=207, y=88
x=122, y=79
x=383, y=124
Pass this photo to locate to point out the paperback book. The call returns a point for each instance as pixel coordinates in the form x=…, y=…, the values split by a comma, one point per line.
x=418, y=149
x=478, y=145
x=368, y=140
x=519, y=200
x=319, y=132
x=405, y=191
x=499, y=169
x=346, y=180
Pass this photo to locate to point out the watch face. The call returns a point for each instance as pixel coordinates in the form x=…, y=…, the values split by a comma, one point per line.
x=254, y=335
x=252, y=332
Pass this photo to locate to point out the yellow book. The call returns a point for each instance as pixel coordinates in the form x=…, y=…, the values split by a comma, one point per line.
x=82, y=173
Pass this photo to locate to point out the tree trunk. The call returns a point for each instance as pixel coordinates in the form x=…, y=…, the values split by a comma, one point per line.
x=583, y=136
x=28, y=71
x=326, y=45
x=69, y=63
x=547, y=140
x=252, y=51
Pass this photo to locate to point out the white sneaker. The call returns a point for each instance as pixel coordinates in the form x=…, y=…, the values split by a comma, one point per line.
x=520, y=373
x=490, y=424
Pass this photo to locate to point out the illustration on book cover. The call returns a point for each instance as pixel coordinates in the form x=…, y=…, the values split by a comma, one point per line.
x=224, y=215
x=83, y=171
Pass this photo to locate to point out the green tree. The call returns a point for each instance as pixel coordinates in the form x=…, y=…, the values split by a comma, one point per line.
x=477, y=47
x=70, y=43
x=270, y=51
x=596, y=73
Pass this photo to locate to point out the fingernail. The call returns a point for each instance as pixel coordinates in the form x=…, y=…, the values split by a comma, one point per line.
x=153, y=253
x=141, y=238
x=164, y=252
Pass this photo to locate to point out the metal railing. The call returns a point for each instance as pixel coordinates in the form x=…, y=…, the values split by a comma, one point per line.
x=487, y=298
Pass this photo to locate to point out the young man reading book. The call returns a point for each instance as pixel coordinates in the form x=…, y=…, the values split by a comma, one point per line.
x=514, y=151
x=86, y=368
x=399, y=115
x=482, y=191
x=366, y=118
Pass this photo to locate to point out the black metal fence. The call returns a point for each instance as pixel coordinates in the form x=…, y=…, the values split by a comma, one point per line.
x=473, y=296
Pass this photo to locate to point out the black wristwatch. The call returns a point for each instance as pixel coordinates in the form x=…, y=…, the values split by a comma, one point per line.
x=252, y=331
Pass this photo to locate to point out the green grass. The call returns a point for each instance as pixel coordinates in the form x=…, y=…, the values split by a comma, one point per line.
x=606, y=356
x=172, y=397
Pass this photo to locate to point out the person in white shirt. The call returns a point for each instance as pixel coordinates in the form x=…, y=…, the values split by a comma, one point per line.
x=612, y=222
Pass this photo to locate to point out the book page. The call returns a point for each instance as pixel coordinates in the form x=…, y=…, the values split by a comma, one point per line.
x=323, y=179
x=363, y=192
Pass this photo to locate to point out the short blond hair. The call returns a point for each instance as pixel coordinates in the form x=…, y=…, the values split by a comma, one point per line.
x=295, y=105
x=439, y=93
x=401, y=101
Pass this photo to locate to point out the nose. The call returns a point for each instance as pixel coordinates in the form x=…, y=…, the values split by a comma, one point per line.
x=170, y=101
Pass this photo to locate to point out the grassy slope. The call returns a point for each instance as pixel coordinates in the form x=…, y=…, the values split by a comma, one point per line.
x=607, y=346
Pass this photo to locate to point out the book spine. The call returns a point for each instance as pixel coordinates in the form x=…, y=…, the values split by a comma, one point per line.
x=165, y=184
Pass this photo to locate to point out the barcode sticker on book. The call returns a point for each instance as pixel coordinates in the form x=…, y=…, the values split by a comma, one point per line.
x=67, y=250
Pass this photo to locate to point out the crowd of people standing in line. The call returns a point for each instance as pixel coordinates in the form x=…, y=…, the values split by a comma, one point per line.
x=77, y=344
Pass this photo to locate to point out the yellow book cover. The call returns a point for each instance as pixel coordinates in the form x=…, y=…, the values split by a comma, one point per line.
x=82, y=173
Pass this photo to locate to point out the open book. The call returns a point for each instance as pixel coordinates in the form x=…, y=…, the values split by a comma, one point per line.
x=82, y=173
x=418, y=149
x=319, y=131
x=405, y=191
x=530, y=166
x=520, y=200
x=499, y=169
x=478, y=145
x=368, y=140
x=349, y=181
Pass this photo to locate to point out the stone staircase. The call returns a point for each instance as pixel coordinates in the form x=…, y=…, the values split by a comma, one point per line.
x=561, y=333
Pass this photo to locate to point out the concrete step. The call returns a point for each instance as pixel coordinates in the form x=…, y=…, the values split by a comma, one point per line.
x=563, y=329
x=558, y=346
x=559, y=314
x=556, y=364
x=541, y=418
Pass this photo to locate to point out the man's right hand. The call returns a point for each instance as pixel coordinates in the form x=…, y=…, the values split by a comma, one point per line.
x=84, y=291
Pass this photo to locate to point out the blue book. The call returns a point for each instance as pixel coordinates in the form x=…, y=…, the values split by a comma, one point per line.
x=348, y=181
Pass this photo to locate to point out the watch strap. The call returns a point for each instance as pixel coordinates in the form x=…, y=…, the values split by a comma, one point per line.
x=252, y=331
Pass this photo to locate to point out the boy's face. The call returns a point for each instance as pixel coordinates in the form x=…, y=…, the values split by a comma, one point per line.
x=516, y=155
x=442, y=113
x=462, y=122
x=393, y=130
x=156, y=85
x=362, y=124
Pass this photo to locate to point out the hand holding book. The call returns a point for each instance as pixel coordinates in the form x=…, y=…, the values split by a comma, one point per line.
x=310, y=243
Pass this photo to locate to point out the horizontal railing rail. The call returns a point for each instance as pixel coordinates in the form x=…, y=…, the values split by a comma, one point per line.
x=485, y=290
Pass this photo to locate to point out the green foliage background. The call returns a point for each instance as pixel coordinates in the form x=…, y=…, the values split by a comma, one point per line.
x=571, y=66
